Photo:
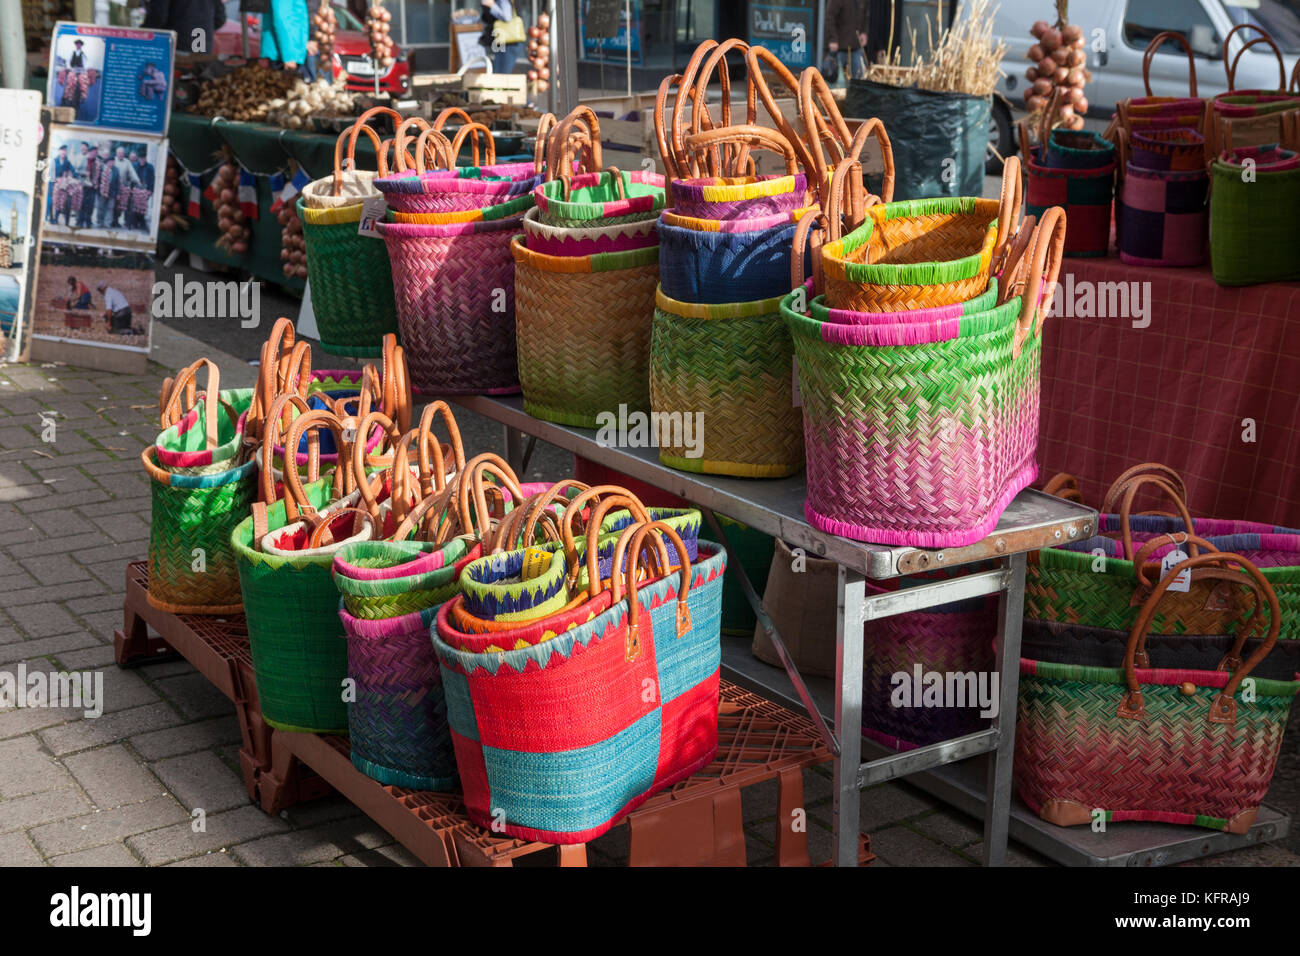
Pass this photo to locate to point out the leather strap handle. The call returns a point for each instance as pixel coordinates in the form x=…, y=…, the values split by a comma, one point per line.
x=683, y=617
x=758, y=57
x=1164, y=472
x=1126, y=506
x=574, y=510
x=477, y=131
x=730, y=161
x=279, y=410
x=178, y=395
x=1151, y=49
x=1230, y=68
x=1064, y=486
x=1044, y=270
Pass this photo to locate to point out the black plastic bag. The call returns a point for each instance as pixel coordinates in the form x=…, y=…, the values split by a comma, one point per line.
x=939, y=139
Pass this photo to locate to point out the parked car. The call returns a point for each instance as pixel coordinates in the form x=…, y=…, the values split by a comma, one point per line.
x=1118, y=32
x=351, y=50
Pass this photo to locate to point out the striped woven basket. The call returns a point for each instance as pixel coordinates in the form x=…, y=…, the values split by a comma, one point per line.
x=397, y=724
x=986, y=300
x=388, y=579
x=1167, y=150
x=584, y=332
x=1178, y=746
x=455, y=292
x=922, y=434
x=591, y=199
x=1077, y=149
x=728, y=368
x=1086, y=194
x=558, y=736
x=588, y=240
x=185, y=448
x=1254, y=235
x=512, y=207
x=742, y=261
x=191, y=563
x=1162, y=218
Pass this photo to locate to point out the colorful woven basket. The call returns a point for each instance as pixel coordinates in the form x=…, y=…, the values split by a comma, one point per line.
x=191, y=564
x=1086, y=194
x=1254, y=235
x=1162, y=218
x=199, y=437
x=588, y=240
x=397, y=724
x=1077, y=149
x=590, y=199
x=731, y=198
x=722, y=375
x=986, y=300
x=455, y=291
x=583, y=325
x=512, y=207
x=727, y=265
x=557, y=740
x=921, y=434
x=388, y=579
x=1178, y=746
x=1167, y=150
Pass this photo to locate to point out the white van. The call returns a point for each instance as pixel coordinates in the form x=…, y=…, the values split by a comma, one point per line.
x=1118, y=32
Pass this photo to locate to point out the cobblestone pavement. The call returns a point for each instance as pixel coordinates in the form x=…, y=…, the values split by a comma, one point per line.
x=122, y=789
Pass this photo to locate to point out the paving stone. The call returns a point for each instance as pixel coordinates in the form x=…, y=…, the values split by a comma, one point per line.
x=107, y=826
x=113, y=854
x=98, y=602
x=187, y=738
x=67, y=544
x=123, y=527
x=326, y=810
x=194, y=696
x=25, y=494
x=1017, y=855
x=113, y=776
x=43, y=620
x=887, y=803
x=37, y=650
x=216, y=858
x=67, y=481
x=202, y=780
x=901, y=846
x=392, y=855
x=23, y=813
x=951, y=828
x=299, y=848
x=29, y=769
x=140, y=504
x=165, y=668
x=227, y=829
x=17, y=850
x=89, y=659
x=65, y=523
x=124, y=690
x=45, y=593
x=9, y=635
x=49, y=501
x=28, y=720
x=54, y=569
x=122, y=554
x=110, y=728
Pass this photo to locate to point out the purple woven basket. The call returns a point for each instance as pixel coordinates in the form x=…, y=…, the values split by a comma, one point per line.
x=1162, y=217
x=397, y=725
x=754, y=196
x=454, y=286
x=456, y=190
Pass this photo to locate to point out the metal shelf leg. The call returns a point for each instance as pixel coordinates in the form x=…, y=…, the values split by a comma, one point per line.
x=849, y=620
x=997, y=806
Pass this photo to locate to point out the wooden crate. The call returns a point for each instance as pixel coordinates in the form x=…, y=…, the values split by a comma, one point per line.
x=509, y=89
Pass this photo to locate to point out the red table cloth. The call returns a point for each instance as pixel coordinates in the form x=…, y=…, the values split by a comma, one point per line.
x=1210, y=386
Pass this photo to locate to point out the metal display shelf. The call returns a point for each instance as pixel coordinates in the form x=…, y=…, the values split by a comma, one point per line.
x=962, y=786
x=1032, y=521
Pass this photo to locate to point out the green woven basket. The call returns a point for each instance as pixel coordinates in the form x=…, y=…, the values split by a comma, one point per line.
x=597, y=199
x=725, y=371
x=1254, y=229
x=351, y=282
x=299, y=656
x=374, y=598
x=192, y=567
x=181, y=442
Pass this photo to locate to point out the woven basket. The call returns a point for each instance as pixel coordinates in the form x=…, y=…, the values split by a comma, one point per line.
x=1254, y=234
x=191, y=564
x=727, y=367
x=455, y=292
x=495, y=591
x=1163, y=112
x=417, y=576
x=558, y=736
x=728, y=265
x=1161, y=218
x=590, y=199
x=921, y=434
x=590, y=240
x=584, y=332
x=730, y=198
x=1086, y=194
x=185, y=448
x=1077, y=149
x=397, y=724
x=1167, y=150
x=1178, y=746
x=986, y=300
x=513, y=207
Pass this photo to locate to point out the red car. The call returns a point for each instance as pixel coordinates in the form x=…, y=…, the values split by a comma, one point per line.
x=351, y=50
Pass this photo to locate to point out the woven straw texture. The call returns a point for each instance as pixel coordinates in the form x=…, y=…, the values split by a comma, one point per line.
x=739, y=197
x=909, y=442
x=560, y=735
x=512, y=207
x=721, y=267
x=351, y=283
x=594, y=199
x=182, y=448
x=383, y=579
x=397, y=726
x=1168, y=149
x=936, y=314
x=1171, y=766
x=192, y=512
x=1086, y=195
x=913, y=255
x=584, y=332
x=950, y=639
x=1161, y=218
x=294, y=632
x=1077, y=149
x=455, y=292
x=456, y=190
x=494, y=590
x=586, y=241
x=1254, y=232
x=727, y=368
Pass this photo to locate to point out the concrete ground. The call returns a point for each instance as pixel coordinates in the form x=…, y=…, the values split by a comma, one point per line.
x=123, y=789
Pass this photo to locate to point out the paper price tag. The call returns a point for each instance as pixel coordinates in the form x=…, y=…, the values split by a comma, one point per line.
x=1171, y=560
x=373, y=210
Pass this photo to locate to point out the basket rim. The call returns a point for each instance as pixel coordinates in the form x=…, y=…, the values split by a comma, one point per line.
x=1213, y=680
x=835, y=261
x=717, y=310
x=732, y=226
x=419, y=230
x=594, y=263
x=532, y=224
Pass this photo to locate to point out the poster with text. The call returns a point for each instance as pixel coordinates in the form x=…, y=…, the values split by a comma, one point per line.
x=104, y=189
x=93, y=296
x=114, y=77
x=21, y=136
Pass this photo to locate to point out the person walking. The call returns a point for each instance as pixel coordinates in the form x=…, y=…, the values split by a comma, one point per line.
x=846, y=36
x=503, y=34
x=117, y=311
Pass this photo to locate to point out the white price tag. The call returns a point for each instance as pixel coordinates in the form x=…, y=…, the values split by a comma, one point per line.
x=372, y=211
x=1171, y=560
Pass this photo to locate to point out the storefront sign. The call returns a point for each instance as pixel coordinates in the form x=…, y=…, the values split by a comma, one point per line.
x=114, y=77
x=787, y=31
x=599, y=42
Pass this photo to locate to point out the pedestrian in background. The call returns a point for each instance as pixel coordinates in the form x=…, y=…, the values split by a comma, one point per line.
x=846, y=36
x=503, y=34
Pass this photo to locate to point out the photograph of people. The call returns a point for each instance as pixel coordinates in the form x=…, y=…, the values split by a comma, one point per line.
x=117, y=311
x=103, y=191
x=78, y=69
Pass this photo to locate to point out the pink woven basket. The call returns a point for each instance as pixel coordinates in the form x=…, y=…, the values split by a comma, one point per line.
x=455, y=291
